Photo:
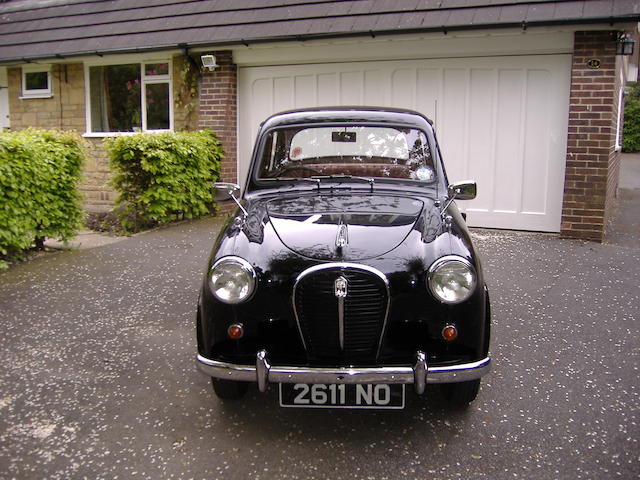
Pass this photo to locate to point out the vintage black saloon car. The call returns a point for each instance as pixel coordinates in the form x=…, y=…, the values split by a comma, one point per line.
x=347, y=270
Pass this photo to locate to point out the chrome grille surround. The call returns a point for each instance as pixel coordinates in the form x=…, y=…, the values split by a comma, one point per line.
x=343, y=326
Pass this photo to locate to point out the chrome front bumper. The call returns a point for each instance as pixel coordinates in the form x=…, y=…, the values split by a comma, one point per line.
x=419, y=374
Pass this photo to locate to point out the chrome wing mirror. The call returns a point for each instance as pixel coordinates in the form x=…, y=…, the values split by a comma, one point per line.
x=228, y=191
x=466, y=190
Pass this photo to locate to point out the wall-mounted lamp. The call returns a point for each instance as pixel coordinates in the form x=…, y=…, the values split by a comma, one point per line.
x=209, y=62
x=624, y=45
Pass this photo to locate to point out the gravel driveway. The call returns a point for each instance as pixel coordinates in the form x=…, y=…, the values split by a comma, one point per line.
x=98, y=381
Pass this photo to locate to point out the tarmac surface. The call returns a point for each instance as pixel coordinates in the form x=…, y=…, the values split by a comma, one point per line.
x=624, y=226
x=98, y=380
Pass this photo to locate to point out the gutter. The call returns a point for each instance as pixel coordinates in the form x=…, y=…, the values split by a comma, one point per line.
x=629, y=21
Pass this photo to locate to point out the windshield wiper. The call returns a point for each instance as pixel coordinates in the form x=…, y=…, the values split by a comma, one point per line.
x=369, y=180
x=289, y=179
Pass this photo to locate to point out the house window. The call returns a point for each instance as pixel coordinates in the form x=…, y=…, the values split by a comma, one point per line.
x=36, y=81
x=130, y=97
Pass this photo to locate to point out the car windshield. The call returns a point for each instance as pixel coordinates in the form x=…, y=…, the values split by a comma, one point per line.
x=347, y=151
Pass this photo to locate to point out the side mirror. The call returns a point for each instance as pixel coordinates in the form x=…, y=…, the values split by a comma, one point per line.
x=225, y=191
x=228, y=191
x=466, y=190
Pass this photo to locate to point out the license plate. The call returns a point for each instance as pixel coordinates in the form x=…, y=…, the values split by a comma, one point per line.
x=319, y=395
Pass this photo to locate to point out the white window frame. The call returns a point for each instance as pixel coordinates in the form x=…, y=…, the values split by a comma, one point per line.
x=620, y=123
x=5, y=120
x=144, y=81
x=39, y=92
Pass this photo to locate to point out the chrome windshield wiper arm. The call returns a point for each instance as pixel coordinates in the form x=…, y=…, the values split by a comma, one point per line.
x=369, y=180
x=290, y=179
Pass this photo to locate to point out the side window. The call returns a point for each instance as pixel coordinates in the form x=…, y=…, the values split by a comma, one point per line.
x=130, y=97
x=36, y=81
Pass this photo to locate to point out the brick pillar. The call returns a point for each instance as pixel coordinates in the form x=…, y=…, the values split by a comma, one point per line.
x=591, y=156
x=219, y=112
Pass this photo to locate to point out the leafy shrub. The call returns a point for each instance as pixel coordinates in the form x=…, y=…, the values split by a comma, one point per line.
x=631, y=129
x=39, y=174
x=163, y=176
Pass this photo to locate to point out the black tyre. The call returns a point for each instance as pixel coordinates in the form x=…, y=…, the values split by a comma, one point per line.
x=461, y=394
x=228, y=389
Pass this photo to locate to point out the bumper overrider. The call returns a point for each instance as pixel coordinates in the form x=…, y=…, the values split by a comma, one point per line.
x=418, y=374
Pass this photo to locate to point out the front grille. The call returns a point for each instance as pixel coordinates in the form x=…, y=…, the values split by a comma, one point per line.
x=364, y=312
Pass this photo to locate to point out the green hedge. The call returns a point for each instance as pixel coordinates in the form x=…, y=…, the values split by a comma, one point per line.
x=631, y=129
x=39, y=174
x=161, y=177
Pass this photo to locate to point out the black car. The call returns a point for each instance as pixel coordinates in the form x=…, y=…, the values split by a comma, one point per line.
x=347, y=270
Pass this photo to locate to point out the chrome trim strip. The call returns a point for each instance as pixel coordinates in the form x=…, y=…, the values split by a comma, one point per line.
x=345, y=265
x=420, y=370
x=341, y=323
x=359, y=266
x=341, y=290
x=396, y=374
x=262, y=370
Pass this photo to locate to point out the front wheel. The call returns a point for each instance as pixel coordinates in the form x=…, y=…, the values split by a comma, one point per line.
x=461, y=394
x=228, y=389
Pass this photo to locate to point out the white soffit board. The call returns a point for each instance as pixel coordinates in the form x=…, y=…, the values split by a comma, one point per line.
x=435, y=45
x=500, y=120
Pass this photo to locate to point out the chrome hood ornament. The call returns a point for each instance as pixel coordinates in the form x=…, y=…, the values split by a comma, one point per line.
x=342, y=238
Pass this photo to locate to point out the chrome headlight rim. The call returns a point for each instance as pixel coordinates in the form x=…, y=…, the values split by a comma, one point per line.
x=439, y=263
x=245, y=267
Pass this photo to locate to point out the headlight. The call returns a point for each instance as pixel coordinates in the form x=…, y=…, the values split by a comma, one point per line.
x=451, y=279
x=232, y=280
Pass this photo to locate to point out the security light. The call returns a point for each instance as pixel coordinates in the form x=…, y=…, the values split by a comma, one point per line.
x=209, y=62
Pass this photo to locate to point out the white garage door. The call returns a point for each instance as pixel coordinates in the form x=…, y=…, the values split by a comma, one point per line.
x=501, y=121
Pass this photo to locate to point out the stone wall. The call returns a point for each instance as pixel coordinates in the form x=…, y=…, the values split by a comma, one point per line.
x=65, y=109
x=185, y=94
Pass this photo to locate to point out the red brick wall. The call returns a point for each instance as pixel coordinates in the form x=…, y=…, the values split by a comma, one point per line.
x=592, y=162
x=218, y=109
x=614, y=156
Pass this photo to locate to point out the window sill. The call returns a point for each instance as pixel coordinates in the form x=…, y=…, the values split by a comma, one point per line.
x=119, y=134
x=40, y=95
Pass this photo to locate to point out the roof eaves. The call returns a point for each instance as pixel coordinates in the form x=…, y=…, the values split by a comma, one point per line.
x=297, y=36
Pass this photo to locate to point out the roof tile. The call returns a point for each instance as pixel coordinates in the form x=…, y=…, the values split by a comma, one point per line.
x=29, y=28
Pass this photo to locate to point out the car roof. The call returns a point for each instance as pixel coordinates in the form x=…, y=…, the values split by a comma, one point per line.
x=356, y=114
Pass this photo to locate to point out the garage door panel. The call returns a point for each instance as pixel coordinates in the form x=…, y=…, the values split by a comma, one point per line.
x=351, y=88
x=403, y=88
x=375, y=89
x=452, y=121
x=509, y=130
x=327, y=89
x=480, y=158
x=283, y=90
x=262, y=106
x=536, y=222
x=536, y=142
x=501, y=121
x=428, y=91
x=305, y=91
